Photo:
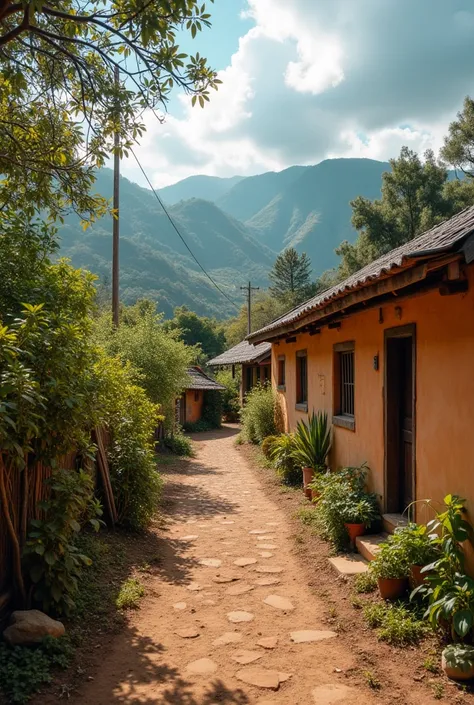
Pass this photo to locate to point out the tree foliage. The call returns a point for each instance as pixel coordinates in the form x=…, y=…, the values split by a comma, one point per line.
x=59, y=102
x=265, y=308
x=158, y=357
x=291, y=277
x=205, y=333
x=414, y=198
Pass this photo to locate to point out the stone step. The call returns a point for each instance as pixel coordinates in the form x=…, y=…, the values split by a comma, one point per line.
x=369, y=545
x=392, y=521
x=350, y=564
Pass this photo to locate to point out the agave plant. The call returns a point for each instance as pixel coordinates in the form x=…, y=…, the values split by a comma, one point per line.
x=312, y=441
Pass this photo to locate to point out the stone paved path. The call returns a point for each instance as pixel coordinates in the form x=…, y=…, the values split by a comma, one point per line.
x=229, y=619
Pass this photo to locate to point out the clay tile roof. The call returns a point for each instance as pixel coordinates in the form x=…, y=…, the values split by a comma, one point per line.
x=242, y=353
x=200, y=380
x=440, y=239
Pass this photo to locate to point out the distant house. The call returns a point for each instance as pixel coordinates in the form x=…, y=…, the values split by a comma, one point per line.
x=189, y=405
x=389, y=353
x=254, y=359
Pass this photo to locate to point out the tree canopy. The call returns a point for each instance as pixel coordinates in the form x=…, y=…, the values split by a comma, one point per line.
x=59, y=102
x=206, y=333
x=291, y=277
x=414, y=198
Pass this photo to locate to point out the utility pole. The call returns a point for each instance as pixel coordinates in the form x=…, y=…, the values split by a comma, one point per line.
x=115, y=237
x=249, y=290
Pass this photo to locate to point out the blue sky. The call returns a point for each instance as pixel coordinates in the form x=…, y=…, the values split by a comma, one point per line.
x=306, y=80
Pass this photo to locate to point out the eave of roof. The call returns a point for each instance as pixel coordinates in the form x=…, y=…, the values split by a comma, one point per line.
x=241, y=354
x=441, y=239
x=199, y=380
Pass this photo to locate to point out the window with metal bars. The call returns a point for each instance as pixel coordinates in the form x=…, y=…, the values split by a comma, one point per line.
x=301, y=377
x=346, y=362
x=345, y=378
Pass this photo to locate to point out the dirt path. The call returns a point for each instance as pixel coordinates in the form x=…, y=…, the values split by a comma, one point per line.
x=220, y=620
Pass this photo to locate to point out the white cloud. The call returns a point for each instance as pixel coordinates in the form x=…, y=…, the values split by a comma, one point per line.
x=319, y=79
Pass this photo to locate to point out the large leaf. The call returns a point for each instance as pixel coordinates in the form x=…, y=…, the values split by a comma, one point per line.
x=463, y=622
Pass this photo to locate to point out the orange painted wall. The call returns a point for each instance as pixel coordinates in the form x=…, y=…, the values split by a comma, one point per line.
x=444, y=390
x=193, y=408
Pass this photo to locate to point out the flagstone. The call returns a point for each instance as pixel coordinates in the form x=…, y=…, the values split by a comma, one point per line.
x=331, y=694
x=243, y=562
x=239, y=589
x=268, y=569
x=202, y=667
x=240, y=616
x=268, y=642
x=187, y=633
x=246, y=657
x=279, y=603
x=228, y=638
x=211, y=562
x=308, y=635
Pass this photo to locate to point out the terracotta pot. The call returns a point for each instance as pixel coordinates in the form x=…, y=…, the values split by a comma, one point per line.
x=308, y=493
x=315, y=494
x=417, y=578
x=355, y=530
x=308, y=474
x=392, y=588
x=455, y=673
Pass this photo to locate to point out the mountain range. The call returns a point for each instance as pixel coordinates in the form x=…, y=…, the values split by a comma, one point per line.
x=235, y=227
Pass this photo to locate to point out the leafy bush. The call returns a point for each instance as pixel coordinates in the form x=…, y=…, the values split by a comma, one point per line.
x=212, y=408
x=391, y=561
x=23, y=670
x=365, y=582
x=132, y=419
x=267, y=446
x=395, y=624
x=450, y=592
x=419, y=545
x=342, y=493
x=231, y=395
x=52, y=559
x=158, y=354
x=282, y=455
x=259, y=413
x=200, y=426
x=130, y=594
x=179, y=444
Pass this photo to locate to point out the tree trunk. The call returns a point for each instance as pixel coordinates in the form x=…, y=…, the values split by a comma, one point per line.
x=18, y=576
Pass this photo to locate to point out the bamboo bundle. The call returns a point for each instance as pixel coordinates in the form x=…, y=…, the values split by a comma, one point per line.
x=104, y=472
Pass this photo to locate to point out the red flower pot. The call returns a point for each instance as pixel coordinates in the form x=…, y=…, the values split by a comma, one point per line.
x=315, y=494
x=355, y=530
x=392, y=588
x=308, y=474
x=417, y=578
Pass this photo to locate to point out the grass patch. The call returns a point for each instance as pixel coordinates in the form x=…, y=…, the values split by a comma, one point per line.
x=395, y=624
x=23, y=670
x=365, y=583
x=307, y=516
x=130, y=594
x=438, y=690
x=372, y=680
x=431, y=664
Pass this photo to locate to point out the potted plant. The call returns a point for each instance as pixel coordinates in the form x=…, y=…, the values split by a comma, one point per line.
x=358, y=513
x=420, y=547
x=312, y=443
x=391, y=569
x=457, y=661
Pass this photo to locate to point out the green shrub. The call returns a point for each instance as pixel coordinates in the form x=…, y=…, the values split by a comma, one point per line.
x=130, y=594
x=395, y=624
x=179, y=444
x=391, y=561
x=365, y=582
x=200, y=426
x=267, y=446
x=51, y=557
x=419, y=545
x=341, y=494
x=212, y=408
x=23, y=670
x=132, y=419
x=231, y=395
x=258, y=415
x=282, y=456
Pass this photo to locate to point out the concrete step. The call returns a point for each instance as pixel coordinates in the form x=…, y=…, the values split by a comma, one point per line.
x=369, y=545
x=350, y=564
x=392, y=521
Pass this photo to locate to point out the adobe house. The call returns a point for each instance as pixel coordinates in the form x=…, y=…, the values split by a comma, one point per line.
x=254, y=359
x=189, y=405
x=389, y=354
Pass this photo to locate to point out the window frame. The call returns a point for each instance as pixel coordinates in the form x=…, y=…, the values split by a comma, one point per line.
x=281, y=378
x=301, y=401
x=341, y=417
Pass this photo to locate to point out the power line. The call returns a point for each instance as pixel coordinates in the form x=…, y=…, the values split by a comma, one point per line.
x=180, y=236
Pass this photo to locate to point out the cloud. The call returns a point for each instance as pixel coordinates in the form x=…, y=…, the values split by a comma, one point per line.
x=316, y=79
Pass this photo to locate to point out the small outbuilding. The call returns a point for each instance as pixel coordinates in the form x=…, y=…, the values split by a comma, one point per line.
x=255, y=360
x=189, y=406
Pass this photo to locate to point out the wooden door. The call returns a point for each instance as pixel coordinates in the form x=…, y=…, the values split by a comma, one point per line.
x=399, y=397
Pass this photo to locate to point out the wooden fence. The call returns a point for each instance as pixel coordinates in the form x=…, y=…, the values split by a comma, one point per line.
x=36, y=492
